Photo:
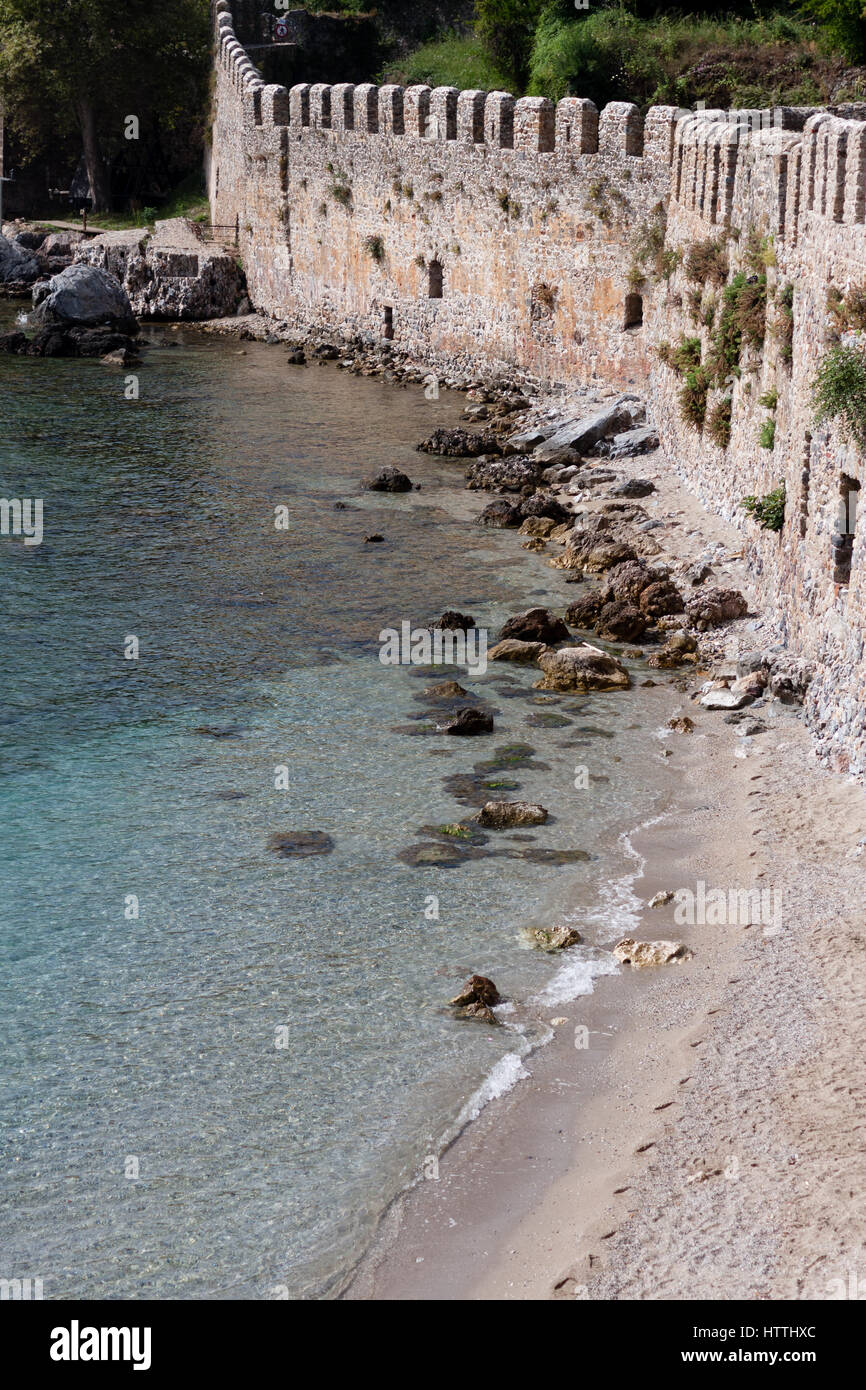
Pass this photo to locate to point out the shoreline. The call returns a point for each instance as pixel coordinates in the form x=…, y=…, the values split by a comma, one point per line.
x=578, y=1183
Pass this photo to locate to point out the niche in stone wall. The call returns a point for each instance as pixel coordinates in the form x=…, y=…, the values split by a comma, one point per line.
x=435, y=281
x=633, y=314
x=846, y=522
x=387, y=321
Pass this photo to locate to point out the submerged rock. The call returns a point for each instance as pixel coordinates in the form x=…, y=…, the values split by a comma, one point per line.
x=581, y=668
x=504, y=815
x=470, y=722
x=477, y=999
x=300, y=843
x=641, y=953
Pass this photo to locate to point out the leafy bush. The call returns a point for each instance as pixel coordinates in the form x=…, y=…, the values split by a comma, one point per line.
x=839, y=391
x=375, y=248
x=693, y=397
x=770, y=399
x=767, y=438
x=769, y=510
x=783, y=323
x=453, y=61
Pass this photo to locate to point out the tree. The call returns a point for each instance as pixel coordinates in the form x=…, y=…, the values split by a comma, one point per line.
x=843, y=23
x=507, y=28
x=92, y=63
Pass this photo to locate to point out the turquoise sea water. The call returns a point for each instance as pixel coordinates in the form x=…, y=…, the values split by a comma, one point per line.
x=156, y=1140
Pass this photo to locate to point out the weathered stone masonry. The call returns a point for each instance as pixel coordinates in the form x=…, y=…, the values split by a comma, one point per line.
x=487, y=234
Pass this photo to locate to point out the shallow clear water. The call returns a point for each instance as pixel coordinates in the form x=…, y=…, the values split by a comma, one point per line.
x=148, y=1044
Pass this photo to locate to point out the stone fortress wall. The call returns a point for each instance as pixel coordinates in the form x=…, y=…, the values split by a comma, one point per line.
x=487, y=234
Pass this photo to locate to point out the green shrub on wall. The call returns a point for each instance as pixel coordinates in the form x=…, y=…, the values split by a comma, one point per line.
x=769, y=510
x=839, y=391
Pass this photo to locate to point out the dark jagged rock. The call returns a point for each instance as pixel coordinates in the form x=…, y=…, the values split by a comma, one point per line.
x=660, y=599
x=501, y=514
x=470, y=722
x=454, y=622
x=714, y=607
x=389, y=479
x=621, y=621
x=460, y=443
x=535, y=625
x=501, y=474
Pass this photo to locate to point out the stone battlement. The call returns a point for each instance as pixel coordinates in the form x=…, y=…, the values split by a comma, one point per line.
x=492, y=236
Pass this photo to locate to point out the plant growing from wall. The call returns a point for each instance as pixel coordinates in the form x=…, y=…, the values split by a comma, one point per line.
x=719, y=423
x=783, y=323
x=769, y=510
x=706, y=263
x=770, y=399
x=374, y=246
x=342, y=194
x=839, y=391
x=767, y=437
x=743, y=320
x=693, y=397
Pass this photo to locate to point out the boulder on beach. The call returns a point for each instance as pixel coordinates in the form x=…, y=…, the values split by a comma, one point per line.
x=477, y=990
x=506, y=815
x=584, y=612
x=661, y=599
x=681, y=724
x=388, y=479
x=622, y=414
x=460, y=443
x=500, y=514
x=716, y=606
x=641, y=953
x=511, y=649
x=85, y=296
x=621, y=621
x=581, y=668
x=679, y=650
x=535, y=625
x=500, y=474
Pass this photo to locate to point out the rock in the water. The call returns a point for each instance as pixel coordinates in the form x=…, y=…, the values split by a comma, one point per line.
x=300, y=843
x=662, y=899
x=584, y=612
x=470, y=721
x=552, y=938
x=460, y=443
x=17, y=265
x=389, y=479
x=581, y=668
x=451, y=621
x=505, y=815
x=535, y=625
x=85, y=296
x=501, y=513
x=477, y=990
x=513, y=650
x=714, y=607
x=445, y=690
x=640, y=953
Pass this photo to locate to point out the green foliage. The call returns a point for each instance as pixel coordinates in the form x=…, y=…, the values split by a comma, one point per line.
x=743, y=320
x=842, y=23
x=769, y=510
x=783, y=323
x=510, y=206
x=91, y=63
x=507, y=29
x=767, y=437
x=770, y=399
x=342, y=194
x=614, y=54
x=374, y=246
x=693, y=397
x=849, y=310
x=839, y=391
x=453, y=61
x=719, y=423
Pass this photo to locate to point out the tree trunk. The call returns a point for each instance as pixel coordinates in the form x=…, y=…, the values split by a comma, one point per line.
x=96, y=170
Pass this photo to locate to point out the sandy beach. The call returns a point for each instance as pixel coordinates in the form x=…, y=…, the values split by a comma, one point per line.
x=706, y=1144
